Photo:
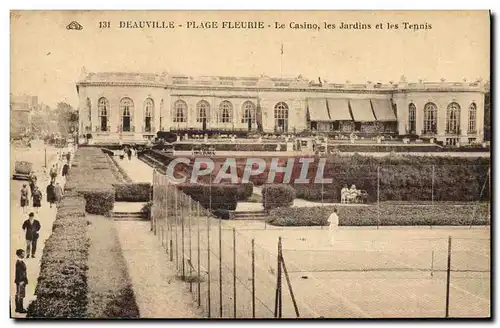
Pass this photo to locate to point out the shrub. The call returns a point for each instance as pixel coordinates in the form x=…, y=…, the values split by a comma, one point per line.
x=99, y=201
x=245, y=191
x=146, y=210
x=132, y=192
x=278, y=195
x=224, y=214
x=214, y=197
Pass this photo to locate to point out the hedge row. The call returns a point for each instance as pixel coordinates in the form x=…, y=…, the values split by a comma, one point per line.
x=214, y=197
x=62, y=283
x=387, y=215
x=132, y=192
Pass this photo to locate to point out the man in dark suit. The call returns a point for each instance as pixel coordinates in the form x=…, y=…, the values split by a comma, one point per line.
x=21, y=281
x=32, y=228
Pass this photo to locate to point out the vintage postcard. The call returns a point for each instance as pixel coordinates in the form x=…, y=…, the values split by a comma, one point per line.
x=250, y=164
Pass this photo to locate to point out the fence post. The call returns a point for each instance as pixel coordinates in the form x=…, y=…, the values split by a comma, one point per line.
x=290, y=287
x=448, y=271
x=253, y=278
x=378, y=196
x=183, y=209
x=199, y=275
x=278, y=300
x=176, y=229
x=190, y=250
x=234, y=271
x=208, y=265
x=220, y=266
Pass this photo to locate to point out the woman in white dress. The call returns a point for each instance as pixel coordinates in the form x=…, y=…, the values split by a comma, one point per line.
x=333, y=227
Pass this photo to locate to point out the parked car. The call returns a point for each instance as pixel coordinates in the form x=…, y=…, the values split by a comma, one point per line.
x=22, y=170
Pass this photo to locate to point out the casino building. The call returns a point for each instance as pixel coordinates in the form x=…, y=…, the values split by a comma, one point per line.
x=134, y=106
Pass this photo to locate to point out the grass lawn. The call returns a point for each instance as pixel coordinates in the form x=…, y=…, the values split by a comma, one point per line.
x=110, y=293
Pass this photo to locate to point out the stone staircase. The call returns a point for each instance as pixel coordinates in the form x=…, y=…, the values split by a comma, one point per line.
x=124, y=211
x=250, y=215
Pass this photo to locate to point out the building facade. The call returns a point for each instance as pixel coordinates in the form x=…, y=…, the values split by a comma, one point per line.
x=134, y=106
x=21, y=108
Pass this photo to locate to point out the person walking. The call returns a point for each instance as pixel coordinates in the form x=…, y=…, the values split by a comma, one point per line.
x=32, y=227
x=21, y=281
x=51, y=194
x=37, y=198
x=65, y=170
x=25, y=201
x=68, y=156
x=333, y=227
x=129, y=154
x=32, y=182
x=53, y=173
x=59, y=192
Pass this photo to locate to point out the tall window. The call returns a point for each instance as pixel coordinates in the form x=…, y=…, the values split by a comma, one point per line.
x=453, y=118
x=161, y=115
x=149, y=106
x=126, y=108
x=281, y=117
x=472, y=118
x=225, y=112
x=103, y=106
x=202, y=111
x=180, y=111
x=430, y=118
x=248, y=112
x=412, y=112
x=88, y=105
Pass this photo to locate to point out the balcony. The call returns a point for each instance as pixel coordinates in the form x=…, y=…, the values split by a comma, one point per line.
x=150, y=129
x=120, y=129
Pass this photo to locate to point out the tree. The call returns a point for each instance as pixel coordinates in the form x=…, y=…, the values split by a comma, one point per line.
x=66, y=117
x=487, y=116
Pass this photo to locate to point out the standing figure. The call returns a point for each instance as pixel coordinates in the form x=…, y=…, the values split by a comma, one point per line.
x=51, y=194
x=68, y=156
x=53, y=173
x=32, y=228
x=37, y=198
x=59, y=192
x=65, y=170
x=32, y=182
x=129, y=154
x=333, y=227
x=25, y=201
x=21, y=281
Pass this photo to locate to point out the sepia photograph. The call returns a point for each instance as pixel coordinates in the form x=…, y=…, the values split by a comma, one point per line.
x=250, y=164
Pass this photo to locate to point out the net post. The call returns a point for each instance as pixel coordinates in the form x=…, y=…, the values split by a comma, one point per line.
x=277, y=302
x=253, y=278
x=448, y=271
x=220, y=267
x=432, y=264
x=176, y=229
x=190, y=249
x=378, y=196
x=234, y=271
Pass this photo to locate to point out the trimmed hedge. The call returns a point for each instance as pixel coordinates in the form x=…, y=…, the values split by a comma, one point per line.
x=132, y=192
x=233, y=146
x=390, y=215
x=99, y=202
x=245, y=191
x=214, y=197
x=62, y=283
x=278, y=195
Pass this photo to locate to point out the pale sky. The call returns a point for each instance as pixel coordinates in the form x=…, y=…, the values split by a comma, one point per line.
x=46, y=58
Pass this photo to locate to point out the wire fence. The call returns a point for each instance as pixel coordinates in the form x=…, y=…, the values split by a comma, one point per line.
x=230, y=275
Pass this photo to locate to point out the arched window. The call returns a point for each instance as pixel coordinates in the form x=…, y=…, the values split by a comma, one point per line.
x=202, y=111
x=430, y=118
x=180, y=111
x=225, y=112
x=103, y=106
x=453, y=118
x=126, y=109
x=472, y=118
x=281, y=117
x=249, y=111
x=412, y=113
x=149, y=106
